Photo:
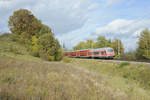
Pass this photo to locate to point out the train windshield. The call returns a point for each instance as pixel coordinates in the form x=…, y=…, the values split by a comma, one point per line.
x=110, y=50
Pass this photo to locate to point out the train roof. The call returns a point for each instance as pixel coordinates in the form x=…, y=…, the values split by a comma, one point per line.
x=98, y=49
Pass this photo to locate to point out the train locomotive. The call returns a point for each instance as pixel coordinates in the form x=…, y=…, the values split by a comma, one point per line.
x=92, y=53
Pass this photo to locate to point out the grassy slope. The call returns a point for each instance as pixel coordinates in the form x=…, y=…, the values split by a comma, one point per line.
x=23, y=76
x=13, y=49
x=132, y=79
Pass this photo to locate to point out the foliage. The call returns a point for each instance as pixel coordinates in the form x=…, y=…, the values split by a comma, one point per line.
x=118, y=47
x=143, y=50
x=35, y=50
x=37, y=37
x=59, y=55
x=90, y=44
x=49, y=46
x=23, y=22
x=44, y=30
x=35, y=47
x=102, y=42
x=130, y=55
x=79, y=46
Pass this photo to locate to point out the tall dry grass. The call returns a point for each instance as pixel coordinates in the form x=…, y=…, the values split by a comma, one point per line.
x=28, y=80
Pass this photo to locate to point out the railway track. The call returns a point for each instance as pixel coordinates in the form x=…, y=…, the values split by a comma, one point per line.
x=119, y=61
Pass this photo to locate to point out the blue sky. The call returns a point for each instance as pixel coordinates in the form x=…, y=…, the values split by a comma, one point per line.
x=73, y=21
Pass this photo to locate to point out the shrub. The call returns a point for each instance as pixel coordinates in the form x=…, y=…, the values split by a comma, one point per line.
x=49, y=46
x=35, y=51
x=43, y=55
x=58, y=55
x=51, y=58
x=35, y=47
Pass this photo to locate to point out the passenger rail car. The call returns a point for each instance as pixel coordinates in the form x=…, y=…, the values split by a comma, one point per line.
x=95, y=53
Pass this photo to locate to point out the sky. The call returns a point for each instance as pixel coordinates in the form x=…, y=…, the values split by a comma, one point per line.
x=73, y=21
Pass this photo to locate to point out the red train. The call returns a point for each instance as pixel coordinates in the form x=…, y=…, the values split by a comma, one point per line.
x=95, y=53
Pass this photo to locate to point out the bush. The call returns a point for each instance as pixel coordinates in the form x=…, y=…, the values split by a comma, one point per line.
x=49, y=47
x=43, y=55
x=51, y=58
x=35, y=47
x=35, y=51
x=59, y=55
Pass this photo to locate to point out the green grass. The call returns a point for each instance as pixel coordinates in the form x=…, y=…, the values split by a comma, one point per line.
x=13, y=49
x=133, y=79
x=8, y=45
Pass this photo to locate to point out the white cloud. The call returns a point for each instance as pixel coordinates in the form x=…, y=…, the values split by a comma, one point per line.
x=123, y=27
x=117, y=26
x=72, y=38
x=126, y=30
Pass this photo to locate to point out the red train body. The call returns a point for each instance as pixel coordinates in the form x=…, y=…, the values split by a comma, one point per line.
x=95, y=53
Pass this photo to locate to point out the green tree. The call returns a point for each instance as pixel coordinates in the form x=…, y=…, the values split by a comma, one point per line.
x=37, y=37
x=143, y=50
x=44, y=30
x=90, y=44
x=118, y=47
x=102, y=42
x=79, y=46
x=49, y=47
x=24, y=23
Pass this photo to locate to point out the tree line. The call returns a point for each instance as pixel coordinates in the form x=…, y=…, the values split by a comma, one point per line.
x=35, y=36
x=141, y=52
x=102, y=42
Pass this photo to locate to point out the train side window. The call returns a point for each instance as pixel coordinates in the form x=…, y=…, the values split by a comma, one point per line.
x=89, y=53
x=102, y=52
x=110, y=50
x=96, y=52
